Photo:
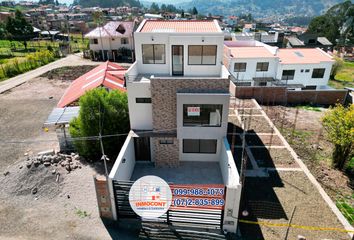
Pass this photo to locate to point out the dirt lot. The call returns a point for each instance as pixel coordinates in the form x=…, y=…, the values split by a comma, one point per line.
x=64, y=210
x=304, y=133
x=274, y=202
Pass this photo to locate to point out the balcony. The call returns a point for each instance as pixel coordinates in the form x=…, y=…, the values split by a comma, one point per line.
x=133, y=75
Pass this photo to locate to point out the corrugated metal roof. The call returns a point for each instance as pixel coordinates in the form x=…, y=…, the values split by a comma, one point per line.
x=324, y=41
x=61, y=116
x=180, y=26
x=108, y=74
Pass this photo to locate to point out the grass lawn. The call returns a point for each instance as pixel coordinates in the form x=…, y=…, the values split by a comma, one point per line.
x=344, y=78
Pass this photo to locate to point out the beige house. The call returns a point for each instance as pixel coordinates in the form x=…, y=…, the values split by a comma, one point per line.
x=112, y=41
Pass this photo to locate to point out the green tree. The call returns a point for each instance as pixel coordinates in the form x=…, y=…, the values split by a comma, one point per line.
x=154, y=8
x=339, y=125
x=194, y=11
x=326, y=26
x=108, y=109
x=18, y=28
x=98, y=18
x=337, y=66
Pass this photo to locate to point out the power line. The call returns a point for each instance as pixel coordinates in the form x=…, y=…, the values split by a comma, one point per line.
x=88, y=138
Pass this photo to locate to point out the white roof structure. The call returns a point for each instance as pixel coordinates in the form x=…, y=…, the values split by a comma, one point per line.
x=112, y=29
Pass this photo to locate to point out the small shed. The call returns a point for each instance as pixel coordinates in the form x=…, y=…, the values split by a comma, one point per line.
x=60, y=118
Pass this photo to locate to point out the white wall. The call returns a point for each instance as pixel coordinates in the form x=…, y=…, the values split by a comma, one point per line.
x=123, y=170
x=252, y=67
x=140, y=114
x=170, y=39
x=202, y=98
x=110, y=44
x=305, y=78
x=227, y=165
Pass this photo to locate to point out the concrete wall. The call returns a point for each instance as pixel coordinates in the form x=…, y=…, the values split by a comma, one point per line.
x=233, y=188
x=125, y=162
x=140, y=114
x=169, y=39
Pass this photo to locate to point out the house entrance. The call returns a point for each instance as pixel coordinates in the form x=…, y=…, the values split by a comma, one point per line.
x=142, y=149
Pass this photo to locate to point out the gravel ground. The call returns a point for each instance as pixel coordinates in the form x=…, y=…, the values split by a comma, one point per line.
x=275, y=200
x=50, y=213
x=273, y=157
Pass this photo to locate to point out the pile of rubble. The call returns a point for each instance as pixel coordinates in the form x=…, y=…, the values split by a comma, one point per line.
x=50, y=158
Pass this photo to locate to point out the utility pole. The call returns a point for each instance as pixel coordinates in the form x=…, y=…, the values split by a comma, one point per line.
x=68, y=29
x=104, y=157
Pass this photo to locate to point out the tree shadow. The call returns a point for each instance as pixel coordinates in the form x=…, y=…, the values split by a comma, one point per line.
x=258, y=200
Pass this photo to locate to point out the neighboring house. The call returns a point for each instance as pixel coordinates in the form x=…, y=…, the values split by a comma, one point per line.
x=252, y=63
x=5, y=15
x=178, y=98
x=109, y=75
x=308, y=40
x=107, y=42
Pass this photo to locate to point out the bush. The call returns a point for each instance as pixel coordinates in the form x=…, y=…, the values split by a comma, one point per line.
x=31, y=61
x=339, y=125
x=108, y=108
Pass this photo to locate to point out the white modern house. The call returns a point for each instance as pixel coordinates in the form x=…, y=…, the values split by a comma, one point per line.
x=178, y=96
x=252, y=63
x=108, y=42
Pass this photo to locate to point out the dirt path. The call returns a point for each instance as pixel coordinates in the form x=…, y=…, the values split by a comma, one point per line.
x=71, y=60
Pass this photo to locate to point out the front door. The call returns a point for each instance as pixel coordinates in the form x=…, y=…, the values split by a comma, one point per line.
x=177, y=60
x=142, y=148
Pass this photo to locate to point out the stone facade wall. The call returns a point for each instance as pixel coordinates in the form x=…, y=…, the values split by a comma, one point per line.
x=166, y=155
x=164, y=111
x=103, y=197
x=164, y=97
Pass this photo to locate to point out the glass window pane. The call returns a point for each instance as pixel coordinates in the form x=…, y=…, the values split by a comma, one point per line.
x=195, y=55
x=207, y=146
x=148, y=53
x=240, y=67
x=159, y=51
x=190, y=145
x=209, y=55
x=202, y=115
x=262, y=66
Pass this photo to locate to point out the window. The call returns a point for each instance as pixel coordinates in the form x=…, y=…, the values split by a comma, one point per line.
x=205, y=115
x=307, y=70
x=318, y=72
x=202, y=55
x=302, y=70
x=262, y=67
x=262, y=84
x=153, y=53
x=243, y=84
x=143, y=100
x=166, y=141
x=124, y=41
x=288, y=75
x=94, y=41
x=240, y=67
x=199, y=146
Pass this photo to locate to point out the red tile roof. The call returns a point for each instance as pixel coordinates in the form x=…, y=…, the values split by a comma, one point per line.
x=180, y=26
x=302, y=56
x=108, y=74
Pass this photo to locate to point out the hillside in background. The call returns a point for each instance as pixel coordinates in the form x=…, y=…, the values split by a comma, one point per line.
x=337, y=24
x=107, y=3
x=261, y=8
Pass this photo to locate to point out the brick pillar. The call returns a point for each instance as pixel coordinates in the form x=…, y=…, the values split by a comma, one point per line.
x=103, y=197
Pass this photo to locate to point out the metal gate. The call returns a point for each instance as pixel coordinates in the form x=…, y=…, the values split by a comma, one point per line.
x=198, y=218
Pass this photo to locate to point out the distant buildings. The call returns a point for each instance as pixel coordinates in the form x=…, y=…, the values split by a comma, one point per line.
x=308, y=40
